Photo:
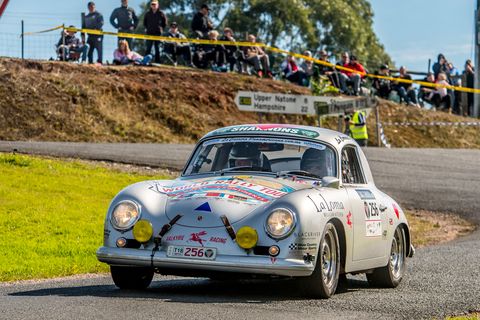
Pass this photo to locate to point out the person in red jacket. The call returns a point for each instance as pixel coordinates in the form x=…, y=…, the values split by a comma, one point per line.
x=355, y=77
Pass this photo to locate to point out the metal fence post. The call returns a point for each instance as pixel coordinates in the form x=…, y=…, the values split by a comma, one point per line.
x=23, y=40
x=377, y=124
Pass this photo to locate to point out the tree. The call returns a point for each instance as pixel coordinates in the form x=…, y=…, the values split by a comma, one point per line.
x=334, y=25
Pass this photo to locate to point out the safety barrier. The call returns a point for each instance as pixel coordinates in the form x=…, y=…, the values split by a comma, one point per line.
x=432, y=124
x=250, y=44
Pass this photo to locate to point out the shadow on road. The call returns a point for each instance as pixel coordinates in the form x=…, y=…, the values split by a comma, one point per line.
x=195, y=291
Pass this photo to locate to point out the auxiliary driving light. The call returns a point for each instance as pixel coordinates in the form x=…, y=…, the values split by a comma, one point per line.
x=247, y=237
x=143, y=231
x=121, y=242
x=274, y=251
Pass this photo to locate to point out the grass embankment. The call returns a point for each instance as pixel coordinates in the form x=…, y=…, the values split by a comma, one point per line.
x=52, y=212
x=51, y=215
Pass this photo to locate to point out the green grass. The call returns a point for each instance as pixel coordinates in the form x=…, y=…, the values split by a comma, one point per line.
x=51, y=215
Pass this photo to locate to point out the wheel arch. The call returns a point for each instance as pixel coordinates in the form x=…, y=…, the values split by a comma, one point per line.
x=408, y=238
x=342, y=240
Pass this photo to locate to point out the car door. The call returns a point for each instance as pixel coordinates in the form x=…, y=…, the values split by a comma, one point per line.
x=368, y=220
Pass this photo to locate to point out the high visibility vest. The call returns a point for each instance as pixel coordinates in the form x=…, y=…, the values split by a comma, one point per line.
x=359, y=132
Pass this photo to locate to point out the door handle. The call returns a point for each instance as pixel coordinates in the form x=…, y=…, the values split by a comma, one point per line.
x=383, y=207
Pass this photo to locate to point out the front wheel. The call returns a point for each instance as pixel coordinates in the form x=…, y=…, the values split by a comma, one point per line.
x=131, y=277
x=324, y=279
x=391, y=275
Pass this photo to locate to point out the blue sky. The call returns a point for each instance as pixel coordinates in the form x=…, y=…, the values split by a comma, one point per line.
x=411, y=30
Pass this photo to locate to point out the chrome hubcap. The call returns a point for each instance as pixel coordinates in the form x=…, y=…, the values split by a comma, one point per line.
x=329, y=259
x=396, y=255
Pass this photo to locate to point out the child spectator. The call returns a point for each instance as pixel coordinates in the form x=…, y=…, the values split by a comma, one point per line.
x=123, y=55
x=124, y=20
x=94, y=21
x=154, y=22
x=234, y=56
x=201, y=24
x=178, y=48
x=292, y=72
x=406, y=90
x=255, y=56
x=382, y=86
x=69, y=47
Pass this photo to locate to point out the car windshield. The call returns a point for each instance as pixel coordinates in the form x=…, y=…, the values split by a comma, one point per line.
x=275, y=155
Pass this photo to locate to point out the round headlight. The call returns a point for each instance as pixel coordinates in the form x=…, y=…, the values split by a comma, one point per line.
x=280, y=223
x=125, y=214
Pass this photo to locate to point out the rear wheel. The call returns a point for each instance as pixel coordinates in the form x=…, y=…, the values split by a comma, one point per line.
x=131, y=277
x=391, y=275
x=324, y=279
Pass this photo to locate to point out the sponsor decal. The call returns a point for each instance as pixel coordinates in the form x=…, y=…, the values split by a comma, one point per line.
x=371, y=209
x=307, y=234
x=275, y=128
x=365, y=194
x=208, y=187
x=175, y=238
x=349, y=219
x=390, y=221
x=273, y=260
x=302, y=246
x=218, y=240
x=322, y=205
x=199, y=218
x=341, y=139
x=374, y=228
x=265, y=141
x=197, y=237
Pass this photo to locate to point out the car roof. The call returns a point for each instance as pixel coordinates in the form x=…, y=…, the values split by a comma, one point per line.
x=332, y=137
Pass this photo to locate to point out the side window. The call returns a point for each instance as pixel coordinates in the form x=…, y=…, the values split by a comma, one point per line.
x=351, y=171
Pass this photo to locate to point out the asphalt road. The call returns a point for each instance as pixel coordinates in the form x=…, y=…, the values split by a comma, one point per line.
x=441, y=280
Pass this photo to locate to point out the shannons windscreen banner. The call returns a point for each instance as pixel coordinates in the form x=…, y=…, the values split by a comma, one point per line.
x=3, y=5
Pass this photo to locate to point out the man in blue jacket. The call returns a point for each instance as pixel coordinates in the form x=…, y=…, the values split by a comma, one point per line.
x=124, y=20
x=94, y=20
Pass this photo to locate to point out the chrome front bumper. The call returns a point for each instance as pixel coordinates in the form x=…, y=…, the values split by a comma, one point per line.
x=226, y=263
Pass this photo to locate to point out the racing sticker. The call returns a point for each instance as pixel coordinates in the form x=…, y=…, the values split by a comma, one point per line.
x=201, y=238
x=225, y=185
x=365, y=194
x=327, y=207
x=266, y=141
x=302, y=246
x=373, y=223
x=276, y=128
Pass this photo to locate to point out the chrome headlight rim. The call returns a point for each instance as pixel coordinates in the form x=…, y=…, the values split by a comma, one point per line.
x=132, y=224
x=289, y=232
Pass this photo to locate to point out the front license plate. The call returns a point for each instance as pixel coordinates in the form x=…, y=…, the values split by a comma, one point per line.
x=200, y=253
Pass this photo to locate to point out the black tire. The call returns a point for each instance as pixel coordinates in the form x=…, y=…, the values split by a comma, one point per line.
x=136, y=278
x=322, y=283
x=392, y=274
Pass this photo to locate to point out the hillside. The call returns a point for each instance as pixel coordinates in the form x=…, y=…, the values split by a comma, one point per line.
x=53, y=101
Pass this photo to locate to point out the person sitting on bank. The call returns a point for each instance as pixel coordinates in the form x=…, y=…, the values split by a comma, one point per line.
x=123, y=55
x=405, y=90
x=382, y=86
x=255, y=56
x=176, y=49
x=70, y=48
x=233, y=55
x=293, y=72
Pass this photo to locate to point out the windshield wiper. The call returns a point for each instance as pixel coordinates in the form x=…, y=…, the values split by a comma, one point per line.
x=297, y=173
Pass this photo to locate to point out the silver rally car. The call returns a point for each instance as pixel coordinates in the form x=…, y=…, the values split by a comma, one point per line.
x=261, y=200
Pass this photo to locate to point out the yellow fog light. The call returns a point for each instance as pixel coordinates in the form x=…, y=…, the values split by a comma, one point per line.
x=247, y=237
x=143, y=231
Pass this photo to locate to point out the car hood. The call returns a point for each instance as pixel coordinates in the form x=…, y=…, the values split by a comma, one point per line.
x=202, y=202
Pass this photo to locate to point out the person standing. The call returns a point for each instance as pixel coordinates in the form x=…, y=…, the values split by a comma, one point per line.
x=201, y=24
x=154, y=22
x=469, y=73
x=94, y=21
x=358, y=127
x=124, y=20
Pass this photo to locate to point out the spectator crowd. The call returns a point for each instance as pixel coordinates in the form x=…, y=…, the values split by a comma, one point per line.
x=347, y=76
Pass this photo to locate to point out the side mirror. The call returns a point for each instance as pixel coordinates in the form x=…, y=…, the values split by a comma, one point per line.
x=331, y=182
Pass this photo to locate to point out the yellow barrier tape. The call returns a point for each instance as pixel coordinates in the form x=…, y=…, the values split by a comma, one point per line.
x=256, y=44
x=43, y=31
